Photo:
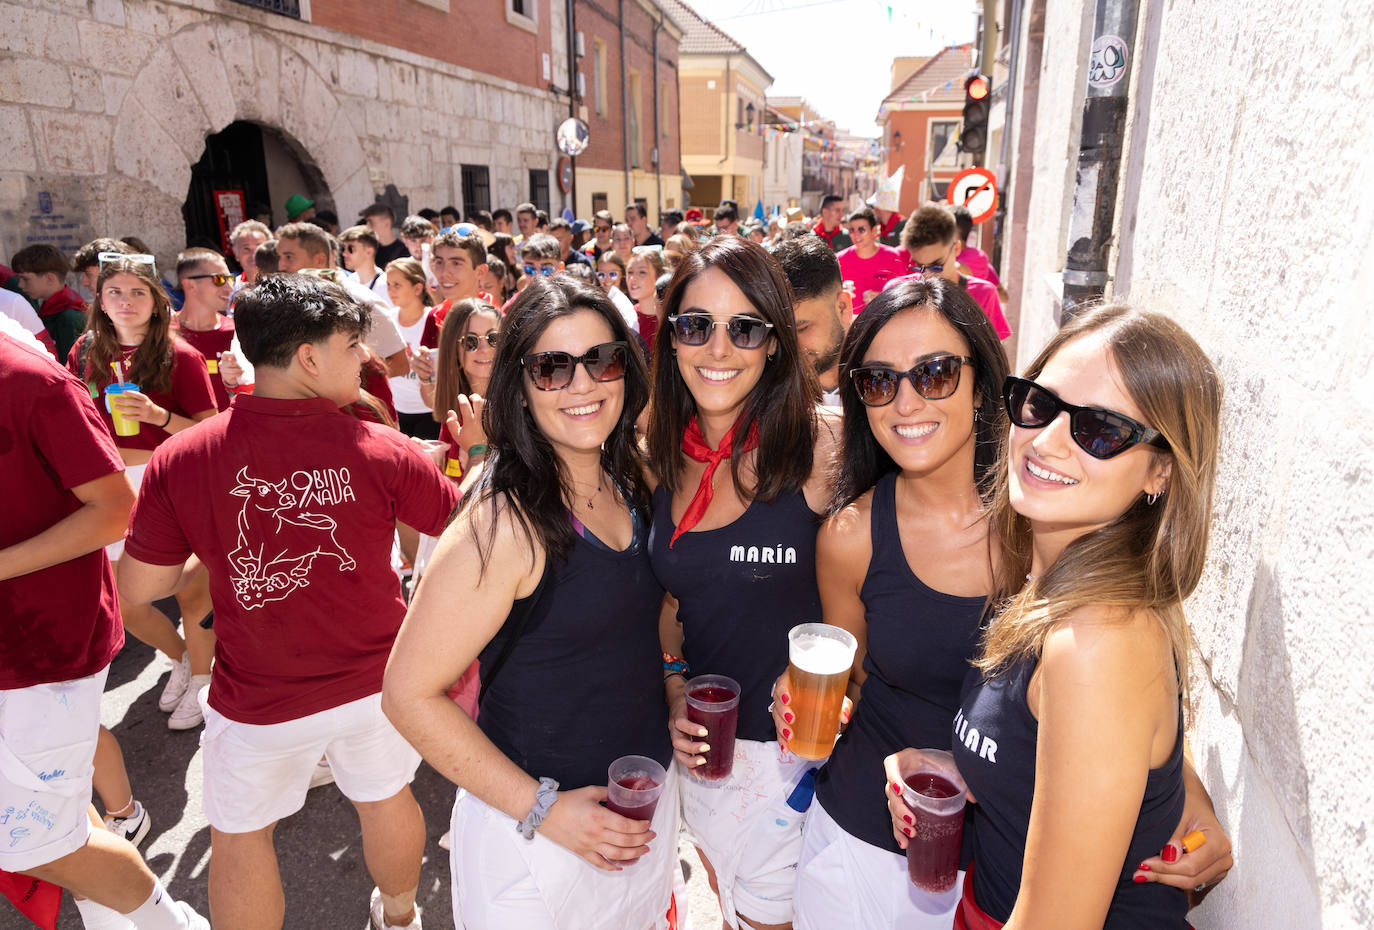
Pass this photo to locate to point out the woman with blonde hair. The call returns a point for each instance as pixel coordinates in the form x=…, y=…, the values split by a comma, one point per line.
x=641, y=274
x=1070, y=729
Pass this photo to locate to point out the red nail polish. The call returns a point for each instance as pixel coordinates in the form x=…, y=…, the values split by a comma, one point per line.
x=786, y=698
x=897, y=788
x=909, y=831
x=786, y=733
x=1143, y=867
x=1140, y=878
x=1169, y=853
x=907, y=818
x=787, y=715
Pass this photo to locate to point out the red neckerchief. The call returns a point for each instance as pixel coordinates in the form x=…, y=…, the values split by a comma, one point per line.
x=694, y=445
x=829, y=237
x=36, y=899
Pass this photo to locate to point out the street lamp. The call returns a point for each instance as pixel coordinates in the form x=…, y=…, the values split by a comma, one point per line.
x=749, y=118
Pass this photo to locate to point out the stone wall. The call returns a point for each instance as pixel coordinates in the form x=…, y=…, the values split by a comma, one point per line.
x=1245, y=214
x=107, y=105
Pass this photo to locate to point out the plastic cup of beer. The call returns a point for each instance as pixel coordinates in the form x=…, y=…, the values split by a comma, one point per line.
x=124, y=426
x=935, y=793
x=819, y=659
x=633, y=786
x=713, y=702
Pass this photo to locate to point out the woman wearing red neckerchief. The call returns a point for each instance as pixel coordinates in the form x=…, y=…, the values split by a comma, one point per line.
x=742, y=458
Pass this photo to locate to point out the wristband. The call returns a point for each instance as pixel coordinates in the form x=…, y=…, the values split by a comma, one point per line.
x=167, y=421
x=477, y=448
x=544, y=796
x=674, y=665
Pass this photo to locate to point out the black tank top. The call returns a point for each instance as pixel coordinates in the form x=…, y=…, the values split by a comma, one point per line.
x=583, y=685
x=739, y=589
x=994, y=747
x=919, y=643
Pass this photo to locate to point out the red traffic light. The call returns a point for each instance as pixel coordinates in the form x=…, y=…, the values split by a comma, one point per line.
x=976, y=87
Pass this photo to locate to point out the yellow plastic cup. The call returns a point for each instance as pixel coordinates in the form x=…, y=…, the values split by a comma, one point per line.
x=124, y=426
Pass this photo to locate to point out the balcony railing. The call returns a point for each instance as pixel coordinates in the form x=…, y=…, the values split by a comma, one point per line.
x=291, y=8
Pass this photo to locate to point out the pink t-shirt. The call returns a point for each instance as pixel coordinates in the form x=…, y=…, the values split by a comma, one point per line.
x=870, y=275
x=976, y=261
x=981, y=291
x=59, y=623
x=292, y=506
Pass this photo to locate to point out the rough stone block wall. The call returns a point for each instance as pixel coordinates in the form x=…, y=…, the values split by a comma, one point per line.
x=1245, y=215
x=107, y=106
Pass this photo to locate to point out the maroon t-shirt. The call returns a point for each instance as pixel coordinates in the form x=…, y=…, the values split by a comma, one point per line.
x=210, y=343
x=188, y=394
x=60, y=623
x=292, y=506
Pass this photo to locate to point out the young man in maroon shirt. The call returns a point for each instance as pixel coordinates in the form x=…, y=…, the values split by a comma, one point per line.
x=205, y=281
x=292, y=507
x=59, y=629
x=830, y=226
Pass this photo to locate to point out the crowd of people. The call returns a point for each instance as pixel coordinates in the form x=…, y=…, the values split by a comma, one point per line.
x=491, y=493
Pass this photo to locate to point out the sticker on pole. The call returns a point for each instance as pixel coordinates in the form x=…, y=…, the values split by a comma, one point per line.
x=975, y=188
x=1108, y=62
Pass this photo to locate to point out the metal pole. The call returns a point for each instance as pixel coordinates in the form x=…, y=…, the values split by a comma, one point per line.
x=572, y=91
x=624, y=101
x=989, y=53
x=1008, y=115
x=1093, y=220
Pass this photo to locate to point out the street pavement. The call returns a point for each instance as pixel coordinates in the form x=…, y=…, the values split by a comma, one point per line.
x=319, y=848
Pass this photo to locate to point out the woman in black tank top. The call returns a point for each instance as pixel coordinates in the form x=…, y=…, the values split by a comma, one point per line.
x=1101, y=517
x=904, y=564
x=547, y=560
x=741, y=459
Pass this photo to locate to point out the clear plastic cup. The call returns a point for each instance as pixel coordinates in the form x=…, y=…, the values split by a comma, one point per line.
x=819, y=659
x=935, y=793
x=633, y=786
x=713, y=702
x=124, y=426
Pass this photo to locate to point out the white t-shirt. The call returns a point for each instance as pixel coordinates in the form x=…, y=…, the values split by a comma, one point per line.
x=21, y=311
x=405, y=389
x=626, y=307
x=377, y=285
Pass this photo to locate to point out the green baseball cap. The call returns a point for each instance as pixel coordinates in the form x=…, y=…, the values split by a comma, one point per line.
x=296, y=205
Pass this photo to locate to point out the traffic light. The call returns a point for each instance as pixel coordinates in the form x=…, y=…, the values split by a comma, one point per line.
x=974, y=137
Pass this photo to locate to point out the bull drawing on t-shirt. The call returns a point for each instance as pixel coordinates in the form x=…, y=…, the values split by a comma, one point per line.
x=277, y=542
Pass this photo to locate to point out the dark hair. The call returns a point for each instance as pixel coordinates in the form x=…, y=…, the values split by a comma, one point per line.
x=540, y=246
x=265, y=258
x=931, y=224
x=867, y=215
x=451, y=210
x=527, y=207
x=326, y=217
x=522, y=469
x=796, y=230
x=661, y=286
x=363, y=234
x=541, y=219
x=378, y=209
x=639, y=211
x=418, y=227
x=190, y=260
x=471, y=244
x=604, y=216
x=88, y=256
x=42, y=258
x=481, y=218
x=810, y=266
x=783, y=403
x=281, y=313
x=500, y=213
x=449, y=378
x=581, y=271
x=726, y=211
x=671, y=215
x=828, y=199
x=864, y=460
x=137, y=244
x=963, y=220
x=151, y=364
x=431, y=214
x=612, y=257
x=559, y=223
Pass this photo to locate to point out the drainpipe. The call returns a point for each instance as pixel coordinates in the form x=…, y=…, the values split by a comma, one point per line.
x=572, y=89
x=1008, y=113
x=1092, y=223
x=726, y=130
x=624, y=101
x=658, y=133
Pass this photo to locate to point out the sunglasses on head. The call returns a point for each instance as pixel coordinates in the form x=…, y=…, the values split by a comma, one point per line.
x=1098, y=432
x=553, y=371
x=695, y=329
x=471, y=341
x=112, y=258
x=934, y=379
x=219, y=280
x=545, y=270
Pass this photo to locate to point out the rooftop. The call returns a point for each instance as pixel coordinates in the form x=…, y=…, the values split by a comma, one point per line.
x=941, y=79
x=701, y=37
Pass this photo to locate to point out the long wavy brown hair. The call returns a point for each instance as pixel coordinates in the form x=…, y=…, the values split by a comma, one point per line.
x=449, y=378
x=1151, y=556
x=151, y=365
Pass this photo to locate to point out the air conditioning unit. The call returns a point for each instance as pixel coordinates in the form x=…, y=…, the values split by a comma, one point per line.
x=580, y=45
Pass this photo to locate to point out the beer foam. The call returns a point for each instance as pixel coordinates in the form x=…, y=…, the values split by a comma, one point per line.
x=821, y=655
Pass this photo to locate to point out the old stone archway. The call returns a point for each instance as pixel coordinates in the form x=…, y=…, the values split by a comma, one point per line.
x=195, y=84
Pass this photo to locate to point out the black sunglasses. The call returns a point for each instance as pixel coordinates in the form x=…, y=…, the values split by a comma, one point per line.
x=1098, y=432
x=219, y=280
x=934, y=379
x=471, y=341
x=553, y=371
x=695, y=329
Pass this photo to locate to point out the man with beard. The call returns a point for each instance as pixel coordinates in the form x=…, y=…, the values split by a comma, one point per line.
x=822, y=307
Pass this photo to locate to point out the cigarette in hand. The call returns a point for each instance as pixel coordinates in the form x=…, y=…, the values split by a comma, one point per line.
x=1194, y=841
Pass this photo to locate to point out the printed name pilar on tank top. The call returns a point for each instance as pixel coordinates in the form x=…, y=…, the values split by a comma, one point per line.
x=740, y=588
x=918, y=644
x=994, y=738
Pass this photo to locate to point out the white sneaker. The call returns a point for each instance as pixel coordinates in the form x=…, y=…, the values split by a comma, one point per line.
x=193, y=920
x=188, y=714
x=379, y=918
x=176, y=685
x=323, y=774
x=134, y=827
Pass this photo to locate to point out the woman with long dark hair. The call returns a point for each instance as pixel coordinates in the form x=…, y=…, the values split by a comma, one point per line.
x=741, y=456
x=1069, y=732
x=548, y=559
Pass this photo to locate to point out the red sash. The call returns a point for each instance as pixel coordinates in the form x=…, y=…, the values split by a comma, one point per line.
x=969, y=915
x=36, y=899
